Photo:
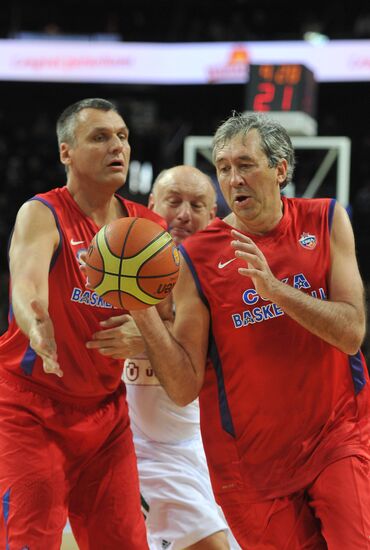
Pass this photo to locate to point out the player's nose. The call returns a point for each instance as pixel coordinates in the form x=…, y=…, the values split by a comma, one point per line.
x=235, y=177
x=116, y=144
x=184, y=211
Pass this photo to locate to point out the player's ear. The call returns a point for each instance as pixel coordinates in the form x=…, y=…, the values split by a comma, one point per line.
x=64, y=154
x=282, y=168
x=151, y=202
x=213, y=211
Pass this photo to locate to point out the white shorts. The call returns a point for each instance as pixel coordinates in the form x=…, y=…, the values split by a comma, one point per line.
x=177, y=497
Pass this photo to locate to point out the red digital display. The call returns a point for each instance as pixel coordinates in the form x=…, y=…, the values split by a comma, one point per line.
x=281, y=88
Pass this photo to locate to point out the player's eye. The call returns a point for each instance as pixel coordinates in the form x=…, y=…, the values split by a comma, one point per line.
x=224, y=169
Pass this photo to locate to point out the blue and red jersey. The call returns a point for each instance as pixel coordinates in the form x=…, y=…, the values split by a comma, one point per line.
x=75, y=311
x=278, y=403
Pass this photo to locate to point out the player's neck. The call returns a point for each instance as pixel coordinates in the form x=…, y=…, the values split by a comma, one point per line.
x=102, y=208
x=262, y=224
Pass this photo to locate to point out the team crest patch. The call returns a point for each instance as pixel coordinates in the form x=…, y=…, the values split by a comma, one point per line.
x=308, y=241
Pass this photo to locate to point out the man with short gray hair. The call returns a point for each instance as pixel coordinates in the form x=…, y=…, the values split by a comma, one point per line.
x=272, y=295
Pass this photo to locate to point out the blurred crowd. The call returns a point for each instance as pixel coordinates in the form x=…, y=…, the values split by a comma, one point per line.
x=187, y=21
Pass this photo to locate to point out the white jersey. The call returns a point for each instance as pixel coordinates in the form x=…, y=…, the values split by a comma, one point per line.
x=177, y=499
x=153, y=415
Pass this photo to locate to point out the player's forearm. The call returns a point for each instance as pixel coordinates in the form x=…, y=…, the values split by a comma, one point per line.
x=170, y=361
x=338, y=323
x=24, y=292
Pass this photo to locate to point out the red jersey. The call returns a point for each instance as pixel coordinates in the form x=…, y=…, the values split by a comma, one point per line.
x=278, y=403
x=75, y=311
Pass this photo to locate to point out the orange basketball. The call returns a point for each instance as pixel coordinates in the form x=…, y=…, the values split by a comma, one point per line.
x=132, y=263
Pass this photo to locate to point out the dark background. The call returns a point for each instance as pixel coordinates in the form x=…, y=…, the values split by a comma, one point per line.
x=160, y=117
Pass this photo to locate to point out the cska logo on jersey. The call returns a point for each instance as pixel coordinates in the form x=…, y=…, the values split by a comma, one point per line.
x=308, y=241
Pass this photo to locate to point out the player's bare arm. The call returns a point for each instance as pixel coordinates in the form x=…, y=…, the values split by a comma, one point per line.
x=120, y=338
x=178, y=356
x=340, y=320
x=34, y=240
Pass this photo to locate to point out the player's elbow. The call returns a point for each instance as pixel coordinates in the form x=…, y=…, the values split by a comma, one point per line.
x=184, y=396
x=185, y=400
x=354, y=347
x=352, y=343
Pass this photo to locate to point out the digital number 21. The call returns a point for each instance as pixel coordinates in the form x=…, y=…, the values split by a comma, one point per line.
x=266, y=95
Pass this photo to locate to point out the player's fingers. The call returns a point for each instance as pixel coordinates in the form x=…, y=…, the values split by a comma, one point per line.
x=116, y=321
x=45, y=348
x=253, y=259
x=241, y=245
x=82, y=256
x=93, y=344
x=105, y=350
x=112, y=352
x=249, y=272
x=48, y=347
x=107, y=334
x=240, y=237
x=251, y=253
x=118, y=356
x=52, y=367
x=47, y=353
x=99, y=344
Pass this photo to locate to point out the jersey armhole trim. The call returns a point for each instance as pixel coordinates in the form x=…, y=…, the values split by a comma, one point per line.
x=194, y=274
x=59, y=248
x=331, y=213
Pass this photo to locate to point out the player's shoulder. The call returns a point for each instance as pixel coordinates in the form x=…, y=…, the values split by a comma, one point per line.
x=210, y=239
x=215, y=228
x=138, y=210
x=56, y=203
x=52, y=194
x=303, y=203
x=306, y=207
x=37, y=203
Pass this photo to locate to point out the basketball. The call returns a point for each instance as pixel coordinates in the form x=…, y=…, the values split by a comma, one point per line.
x=132, y=263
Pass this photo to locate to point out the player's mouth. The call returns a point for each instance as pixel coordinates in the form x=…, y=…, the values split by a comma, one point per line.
x=241, y=201
x=179, y=233
x=117, y=165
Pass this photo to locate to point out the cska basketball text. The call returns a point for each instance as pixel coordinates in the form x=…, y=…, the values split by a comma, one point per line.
x=89, y=298
x=269, y=311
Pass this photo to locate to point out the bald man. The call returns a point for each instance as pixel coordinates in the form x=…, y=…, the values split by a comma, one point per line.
x=177, y=498
x=185, y=197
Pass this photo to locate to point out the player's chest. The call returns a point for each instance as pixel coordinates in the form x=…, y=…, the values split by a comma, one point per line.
x=302, y=265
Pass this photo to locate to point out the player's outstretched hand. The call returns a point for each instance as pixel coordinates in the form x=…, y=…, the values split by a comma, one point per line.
x=257, y=267
x=42, y=339
x=119, y=338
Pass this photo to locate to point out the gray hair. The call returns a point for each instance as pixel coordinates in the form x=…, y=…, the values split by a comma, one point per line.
x=66, y=123
x=275, y=140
